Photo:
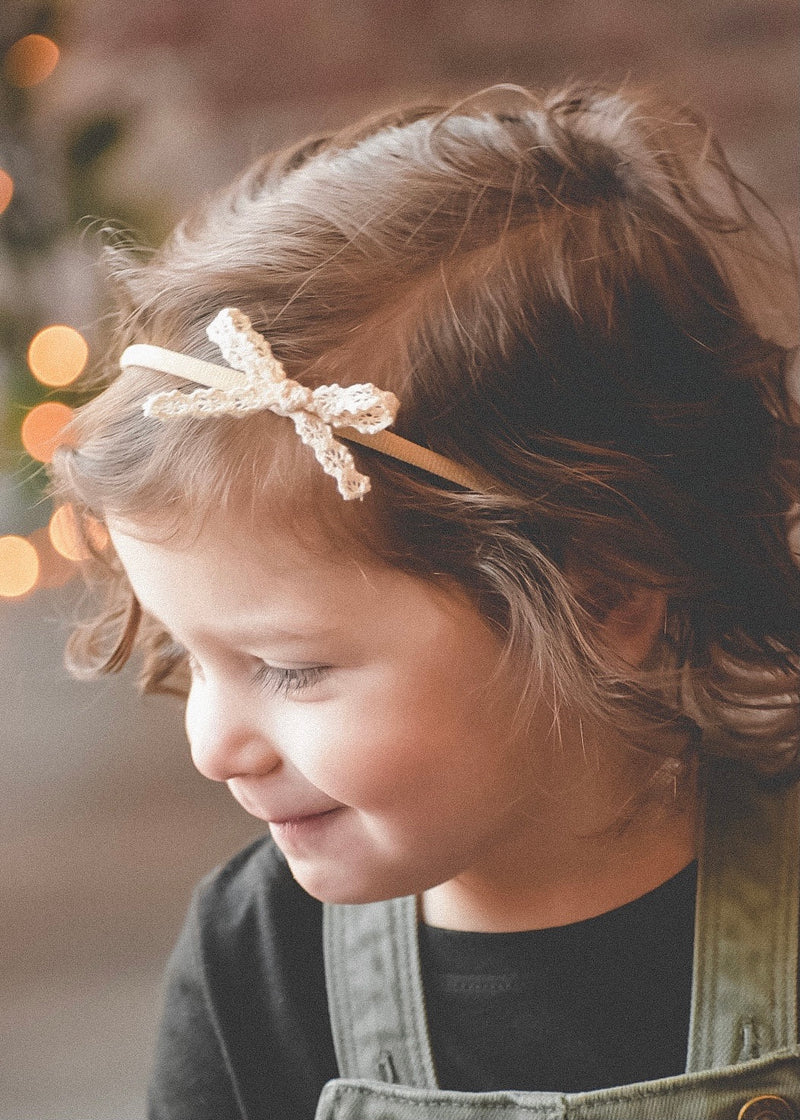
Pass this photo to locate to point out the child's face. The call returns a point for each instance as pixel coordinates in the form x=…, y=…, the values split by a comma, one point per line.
x=351, y=707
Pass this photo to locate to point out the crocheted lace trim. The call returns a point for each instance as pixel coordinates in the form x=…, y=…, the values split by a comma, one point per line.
x=315, y=413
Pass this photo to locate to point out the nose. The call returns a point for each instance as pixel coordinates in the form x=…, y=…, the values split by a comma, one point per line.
x=226, y=733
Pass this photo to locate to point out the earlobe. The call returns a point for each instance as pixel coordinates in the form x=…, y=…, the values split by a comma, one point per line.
x=633, y=625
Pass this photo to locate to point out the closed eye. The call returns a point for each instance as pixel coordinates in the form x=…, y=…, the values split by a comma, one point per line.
x=278, y=680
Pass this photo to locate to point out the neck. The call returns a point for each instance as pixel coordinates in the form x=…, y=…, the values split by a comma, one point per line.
x=557, y=875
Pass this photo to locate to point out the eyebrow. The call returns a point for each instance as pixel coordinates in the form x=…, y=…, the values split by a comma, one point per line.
x=261, y=631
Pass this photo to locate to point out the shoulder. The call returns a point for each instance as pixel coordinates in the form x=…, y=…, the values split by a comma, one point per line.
x=245, y=1014
x=255, y=869
x=255, y=940
x=253, y=899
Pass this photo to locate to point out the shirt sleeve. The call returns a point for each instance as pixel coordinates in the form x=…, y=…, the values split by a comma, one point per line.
x=191, y=1076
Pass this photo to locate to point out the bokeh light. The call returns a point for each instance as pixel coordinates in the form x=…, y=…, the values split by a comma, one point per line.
x=67, y=539
x=64, y=535
x=6, y=189
x=55, y=570
x=57, y=355
x=42, y=429
x=19, y=567
x=97, y=534
x=30, y=60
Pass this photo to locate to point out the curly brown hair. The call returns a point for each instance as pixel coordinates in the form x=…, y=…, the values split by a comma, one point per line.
x=571, y=292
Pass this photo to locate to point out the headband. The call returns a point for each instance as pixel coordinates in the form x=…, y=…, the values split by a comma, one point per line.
x=256, y=380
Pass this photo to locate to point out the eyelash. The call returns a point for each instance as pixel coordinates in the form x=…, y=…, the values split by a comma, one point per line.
x=277, y=680
x=274, y=679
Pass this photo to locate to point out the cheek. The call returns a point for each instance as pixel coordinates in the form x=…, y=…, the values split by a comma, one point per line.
x=403, y=740
x=342, y=747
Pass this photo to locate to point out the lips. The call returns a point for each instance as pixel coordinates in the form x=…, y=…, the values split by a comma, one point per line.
x=298, y=818
x=278, y=815
x=304, y=836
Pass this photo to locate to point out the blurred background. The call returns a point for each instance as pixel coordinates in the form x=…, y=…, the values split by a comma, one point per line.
x=127, y=112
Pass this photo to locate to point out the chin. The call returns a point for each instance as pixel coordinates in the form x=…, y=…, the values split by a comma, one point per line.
x=346, y=893
x=351, y=889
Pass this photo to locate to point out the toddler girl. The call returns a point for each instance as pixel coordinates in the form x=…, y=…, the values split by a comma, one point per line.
x=451, y=472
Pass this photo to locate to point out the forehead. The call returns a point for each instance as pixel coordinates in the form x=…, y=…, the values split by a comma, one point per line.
x=234, y=586
x=226, y=575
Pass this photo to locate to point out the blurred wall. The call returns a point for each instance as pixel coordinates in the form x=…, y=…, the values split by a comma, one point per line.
x=104, y=826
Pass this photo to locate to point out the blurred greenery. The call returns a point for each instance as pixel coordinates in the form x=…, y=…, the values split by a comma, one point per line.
x=59, y=188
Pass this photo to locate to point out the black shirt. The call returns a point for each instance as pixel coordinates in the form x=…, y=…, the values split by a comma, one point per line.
x=245, y=1029
x=583, y=1006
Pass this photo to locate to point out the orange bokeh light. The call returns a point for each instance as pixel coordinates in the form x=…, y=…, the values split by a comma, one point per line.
x=64, y=534
x=6, y=189
x=67, y=539
x=97, y=533
x=19, y=567
x=42, y=428
x=54, y=569
x=30, y=60
x=57, y=355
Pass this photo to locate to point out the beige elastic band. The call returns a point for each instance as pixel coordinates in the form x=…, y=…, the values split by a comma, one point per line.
x=221, y=377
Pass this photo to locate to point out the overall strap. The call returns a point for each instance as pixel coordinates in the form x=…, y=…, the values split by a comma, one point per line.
x=744, y=994
x=375, y=996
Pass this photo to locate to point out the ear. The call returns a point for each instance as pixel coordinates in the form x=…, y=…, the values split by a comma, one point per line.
x=633, y=624
x=630, y=616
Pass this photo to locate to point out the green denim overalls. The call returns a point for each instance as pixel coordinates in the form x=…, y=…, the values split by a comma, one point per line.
x=743, y=1058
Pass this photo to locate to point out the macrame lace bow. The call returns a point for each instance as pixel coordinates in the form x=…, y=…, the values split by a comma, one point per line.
x=315, y=413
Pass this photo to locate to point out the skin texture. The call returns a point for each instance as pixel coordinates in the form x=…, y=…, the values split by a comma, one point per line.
x=363, y=713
